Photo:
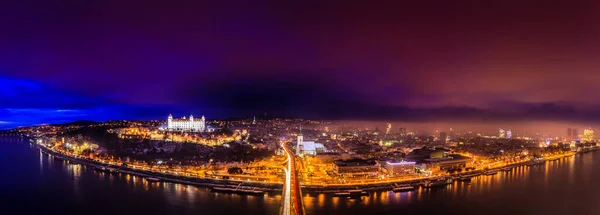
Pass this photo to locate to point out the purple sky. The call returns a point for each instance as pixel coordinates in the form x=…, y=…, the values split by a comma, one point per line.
x=481, y=61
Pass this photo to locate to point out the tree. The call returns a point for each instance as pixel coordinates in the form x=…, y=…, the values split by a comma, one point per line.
x=235, y=171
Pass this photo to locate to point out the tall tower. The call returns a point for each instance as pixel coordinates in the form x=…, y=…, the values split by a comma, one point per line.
x=388, y=128
x=443, y=137
x=588, y=135
x=254, y=121
x=502, y=133
x=191, y=117
x=170, y=122
x=299, y=143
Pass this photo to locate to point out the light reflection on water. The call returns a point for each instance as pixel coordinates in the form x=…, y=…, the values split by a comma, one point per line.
x=527, y=182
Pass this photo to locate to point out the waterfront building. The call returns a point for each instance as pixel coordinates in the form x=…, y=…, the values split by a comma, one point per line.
x=449, y=162
x=356, y=167
x=395, y=168
x=183, y=124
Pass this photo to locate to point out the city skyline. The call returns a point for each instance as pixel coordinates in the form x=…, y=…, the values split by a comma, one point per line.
x=299, y=107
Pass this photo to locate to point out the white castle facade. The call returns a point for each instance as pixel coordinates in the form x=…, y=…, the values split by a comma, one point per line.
x=183, y=124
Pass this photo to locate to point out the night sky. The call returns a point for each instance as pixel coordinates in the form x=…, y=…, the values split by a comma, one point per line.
x=476, y=61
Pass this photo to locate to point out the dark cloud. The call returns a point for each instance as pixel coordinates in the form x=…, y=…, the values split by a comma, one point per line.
x=405, y=60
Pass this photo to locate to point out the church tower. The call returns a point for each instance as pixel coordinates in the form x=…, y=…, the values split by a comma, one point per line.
x=170, y=122
x=191, y=117
x=299, y=144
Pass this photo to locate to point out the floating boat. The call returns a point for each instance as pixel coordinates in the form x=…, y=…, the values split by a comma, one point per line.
x=152, y=179
x=536, y=162
x=100, y=168
x=237, y=191
x=58, y=158
x=406, y=188
x=507, y=169
x=436, y=183
x=351, y=193
x=464, y=178
x=491, y=172
x=112, y=170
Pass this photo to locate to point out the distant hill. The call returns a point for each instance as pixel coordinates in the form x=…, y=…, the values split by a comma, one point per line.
x=78, y=122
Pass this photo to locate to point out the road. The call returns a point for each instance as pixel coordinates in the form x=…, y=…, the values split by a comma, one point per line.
x=292, y=194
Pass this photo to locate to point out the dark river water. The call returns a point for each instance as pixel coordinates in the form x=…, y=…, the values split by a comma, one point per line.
x=34, y=183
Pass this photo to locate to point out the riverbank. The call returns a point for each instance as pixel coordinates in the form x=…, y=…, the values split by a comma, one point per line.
x=269, y=186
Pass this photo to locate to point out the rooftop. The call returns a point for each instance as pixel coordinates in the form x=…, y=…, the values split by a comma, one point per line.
x=355, y=162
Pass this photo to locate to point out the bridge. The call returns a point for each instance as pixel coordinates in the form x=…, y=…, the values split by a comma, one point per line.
x=291, y=203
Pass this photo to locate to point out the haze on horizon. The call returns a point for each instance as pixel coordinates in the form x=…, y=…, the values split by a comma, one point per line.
x=489, y=64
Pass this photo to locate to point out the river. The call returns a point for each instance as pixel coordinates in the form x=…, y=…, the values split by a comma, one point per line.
x=34, y=183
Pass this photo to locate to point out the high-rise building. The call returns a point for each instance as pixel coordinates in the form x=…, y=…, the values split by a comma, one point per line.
x=508, y=134
x=388, y=128
x=502, y=133
x=574, y=134
x=588, y=135
x=569, y=134
x=443, y=137
x=402, y=131
x=451, y=134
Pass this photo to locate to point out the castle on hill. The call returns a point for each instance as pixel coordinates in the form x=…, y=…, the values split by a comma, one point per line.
x=186, y=124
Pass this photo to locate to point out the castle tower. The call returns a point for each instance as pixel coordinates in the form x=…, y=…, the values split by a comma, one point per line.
x=191, y=117
x=170, y=122
x=299, y=143
x=202, y=124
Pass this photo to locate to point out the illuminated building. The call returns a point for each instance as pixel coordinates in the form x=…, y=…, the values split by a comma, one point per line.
x=308, y=147
x=183, y=124
x=443, y=137
x=402, y=131
x=508, y=134
x=569, y=134
x=399, y=168
x=588, y=135
x=574, y=134
x=356, y=167
x=502, y=133
x=388, y=128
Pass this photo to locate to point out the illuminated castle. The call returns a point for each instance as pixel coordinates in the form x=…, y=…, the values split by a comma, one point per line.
x=183, y=124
